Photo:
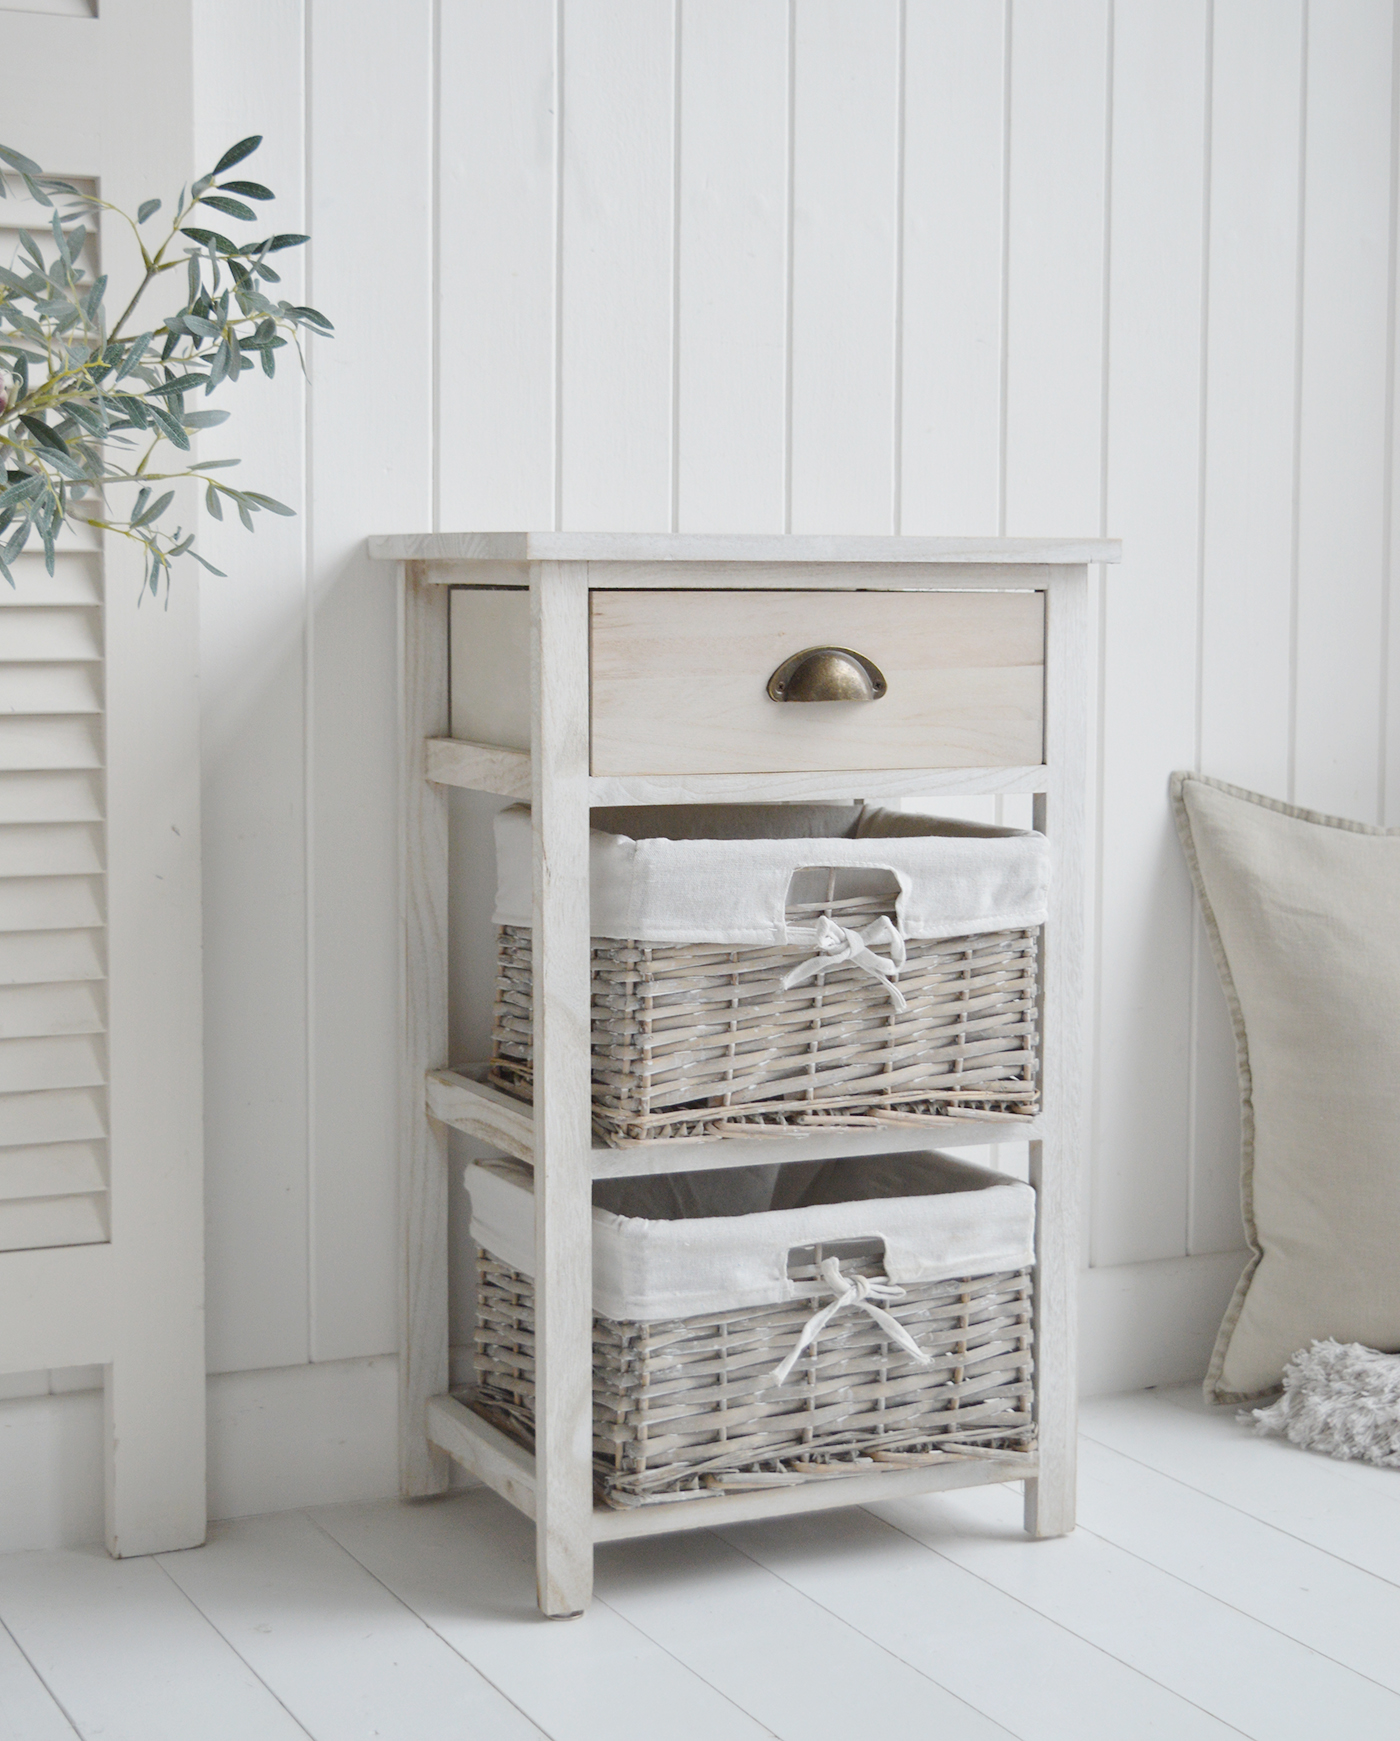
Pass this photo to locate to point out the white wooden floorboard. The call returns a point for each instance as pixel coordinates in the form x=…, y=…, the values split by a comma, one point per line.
x=1018, y=1667
x=801, y=1671
x=1225, y=1661
x=467, y=1566
x=1176, y=1611
x=1314, y=1598
x=346, y=1657
x=28, y=1711
x=127, y=1655
x=1351, y=1510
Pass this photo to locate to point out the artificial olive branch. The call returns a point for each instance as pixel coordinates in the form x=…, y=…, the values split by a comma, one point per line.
x=78, y=398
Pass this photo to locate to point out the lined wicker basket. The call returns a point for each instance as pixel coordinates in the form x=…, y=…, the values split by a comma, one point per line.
x=700, y=1039
x=686, y=1408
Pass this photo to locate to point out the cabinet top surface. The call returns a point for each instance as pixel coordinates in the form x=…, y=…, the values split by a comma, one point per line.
x=732, y=547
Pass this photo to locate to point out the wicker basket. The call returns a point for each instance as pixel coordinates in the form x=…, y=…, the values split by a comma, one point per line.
x=696, y=1039
x=685, y=1408
x=689, y=1405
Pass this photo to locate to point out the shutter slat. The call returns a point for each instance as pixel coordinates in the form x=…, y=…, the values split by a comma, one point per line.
x=67, y=1007
x=49, y=688
x=30, y=1222
x=56, y=1115
x=50, y=797
x=53, y=1048
x=44, y=957
x=59, y=742
x=52, y=1061
x=53, y=1170
x=58, y=849
x=76, y=580
x=63, y=633
x=50, y=903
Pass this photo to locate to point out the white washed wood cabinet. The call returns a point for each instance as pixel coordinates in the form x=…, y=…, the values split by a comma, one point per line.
x=632, y=669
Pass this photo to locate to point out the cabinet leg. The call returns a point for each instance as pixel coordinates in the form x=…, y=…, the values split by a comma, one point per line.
x=1050, y=1502
x=1050, y=1497
x=563, y=1093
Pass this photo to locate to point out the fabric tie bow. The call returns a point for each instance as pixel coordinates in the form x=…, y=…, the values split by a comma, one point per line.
x=838, y=943
x=859, y=1291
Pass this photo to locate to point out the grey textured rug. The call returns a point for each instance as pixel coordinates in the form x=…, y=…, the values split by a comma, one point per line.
x=1339, y=1398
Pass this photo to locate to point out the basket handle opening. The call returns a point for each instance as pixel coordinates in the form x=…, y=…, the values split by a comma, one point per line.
x=865, y=1256
x=851, y=894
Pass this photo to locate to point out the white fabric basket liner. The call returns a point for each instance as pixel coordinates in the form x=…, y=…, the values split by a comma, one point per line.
x=714, y=873
x=716, y=1242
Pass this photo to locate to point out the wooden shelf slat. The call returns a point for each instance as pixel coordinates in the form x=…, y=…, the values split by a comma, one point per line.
x=829, y=788
x=458, y=1099
x=509, y=1469
x=482, y=1111
x=506, y=772
x=479, y=767
x=718, y=547
x=827, y=1493
x=484, y=1451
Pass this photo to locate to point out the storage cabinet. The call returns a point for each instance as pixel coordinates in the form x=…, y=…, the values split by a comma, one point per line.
x=579, y=669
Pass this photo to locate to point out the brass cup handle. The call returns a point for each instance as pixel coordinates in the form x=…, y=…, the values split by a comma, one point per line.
x=827, y=674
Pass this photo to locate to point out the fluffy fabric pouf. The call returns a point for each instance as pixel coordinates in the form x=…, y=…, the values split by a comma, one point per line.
x=1339, y=1398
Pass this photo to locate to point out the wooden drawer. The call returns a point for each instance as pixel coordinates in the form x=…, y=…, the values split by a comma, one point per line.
x=680, y=681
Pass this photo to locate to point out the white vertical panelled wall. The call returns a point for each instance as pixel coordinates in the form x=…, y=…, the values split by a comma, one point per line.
x=957, y=266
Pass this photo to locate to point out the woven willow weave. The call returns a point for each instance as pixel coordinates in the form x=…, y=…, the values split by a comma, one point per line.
x=688, y=1407
x=700, y=1039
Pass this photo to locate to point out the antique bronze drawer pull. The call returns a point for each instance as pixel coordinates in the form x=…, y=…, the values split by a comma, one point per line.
x=827, y=674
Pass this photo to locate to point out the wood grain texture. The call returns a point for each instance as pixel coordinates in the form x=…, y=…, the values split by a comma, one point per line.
x=500, y=1119
x=490, y=768
x=484, y=1451
x=482, y=1111
x=563, y=1136
x=479, y=767
x=633, y=547
x=810, y=575
x=868, y=783
x=736, y=1508
x=1057, y=1161
x=423, y=706
x=679, y=681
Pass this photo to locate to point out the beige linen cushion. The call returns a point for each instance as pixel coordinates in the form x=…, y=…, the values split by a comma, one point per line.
x=1303, y=913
